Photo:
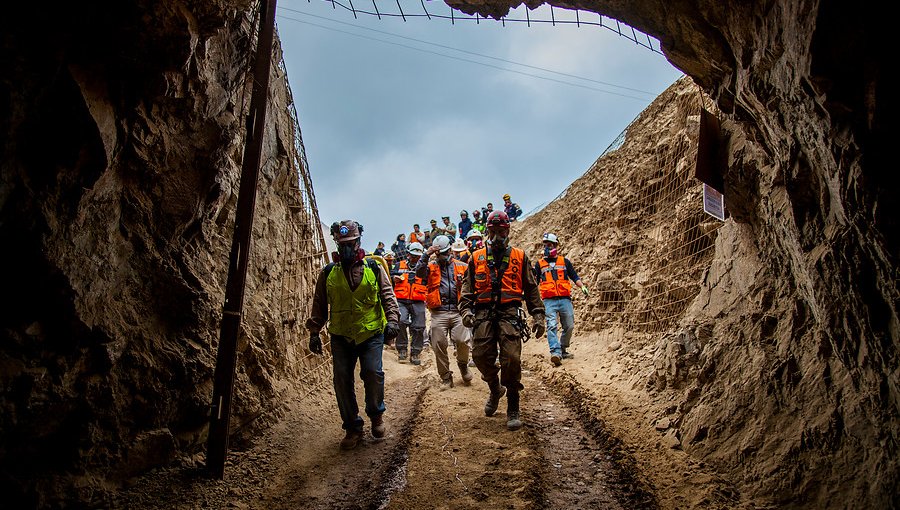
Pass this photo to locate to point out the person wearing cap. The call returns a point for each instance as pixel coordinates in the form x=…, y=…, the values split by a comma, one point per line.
x=449, y=229
x=556, y=275
x=465, y=224
x=497, y=283
x=512, y=210
x=444, y=276
x=354, y=296
x=460, y=251
x=410, y=291
x=434, y=232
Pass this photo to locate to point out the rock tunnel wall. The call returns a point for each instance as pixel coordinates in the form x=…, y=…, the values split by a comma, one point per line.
x=122, y=132
x=790, y=348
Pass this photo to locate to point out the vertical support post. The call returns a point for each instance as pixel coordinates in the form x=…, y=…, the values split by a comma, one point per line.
x=223, y=385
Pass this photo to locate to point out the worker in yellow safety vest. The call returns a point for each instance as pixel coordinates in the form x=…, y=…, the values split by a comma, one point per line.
x=354, y=296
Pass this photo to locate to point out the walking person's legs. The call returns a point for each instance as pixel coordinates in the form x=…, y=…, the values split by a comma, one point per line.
x=372, y=374
x=439, y=343
x=402, y=342
x=344, y=357
x=551, y=308
x=567, y=320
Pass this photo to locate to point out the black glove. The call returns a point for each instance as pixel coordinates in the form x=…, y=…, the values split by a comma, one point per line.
x=468, y=320
x=539, y=326
x=315, y=343
x=390, y=331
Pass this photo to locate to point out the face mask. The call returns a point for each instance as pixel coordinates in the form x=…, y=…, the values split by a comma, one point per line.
x=498, y=243
x=549, y=252
x=347, y=253
x=443, y=258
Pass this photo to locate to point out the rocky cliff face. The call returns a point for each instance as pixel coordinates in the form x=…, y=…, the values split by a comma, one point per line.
x=122, y=132
x=792, y=362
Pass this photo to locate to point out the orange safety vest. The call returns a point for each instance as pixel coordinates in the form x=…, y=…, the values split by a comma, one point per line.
x=414, y=238
x=554, y=282
x=410, y=287
x=511, y=288
x=433, y=297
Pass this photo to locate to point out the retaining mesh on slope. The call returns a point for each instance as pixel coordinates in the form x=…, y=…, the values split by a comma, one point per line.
x=305, y=254
x=643, y=242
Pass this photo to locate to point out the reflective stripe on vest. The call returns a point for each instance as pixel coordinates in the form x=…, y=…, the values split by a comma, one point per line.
x=554, y=282
x=433, y=299
x=511, y=284
x=356, y=314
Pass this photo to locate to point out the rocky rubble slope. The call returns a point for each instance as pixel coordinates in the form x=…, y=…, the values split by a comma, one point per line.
x=122, y=137
x=784, y=368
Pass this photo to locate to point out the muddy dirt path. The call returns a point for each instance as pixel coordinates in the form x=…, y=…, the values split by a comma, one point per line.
x=440, y=452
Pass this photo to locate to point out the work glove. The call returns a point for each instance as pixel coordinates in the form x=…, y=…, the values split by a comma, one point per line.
x=539, y=326
x=390, y=331
x=468, y=320
x=315, y=343
x=585, y=291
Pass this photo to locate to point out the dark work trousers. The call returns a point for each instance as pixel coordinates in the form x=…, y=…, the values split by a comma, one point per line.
x=488, y=338
x=412, y=324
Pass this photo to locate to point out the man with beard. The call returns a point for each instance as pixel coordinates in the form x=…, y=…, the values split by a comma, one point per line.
x=355, y=297
x=498, y=280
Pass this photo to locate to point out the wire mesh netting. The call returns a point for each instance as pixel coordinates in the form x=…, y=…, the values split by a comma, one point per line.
x=305, y=255
x=642, y=240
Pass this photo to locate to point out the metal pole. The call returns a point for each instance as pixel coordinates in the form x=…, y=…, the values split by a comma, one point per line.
x=223, y=386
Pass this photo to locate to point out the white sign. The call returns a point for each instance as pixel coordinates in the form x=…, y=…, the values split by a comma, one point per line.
x=713, y=203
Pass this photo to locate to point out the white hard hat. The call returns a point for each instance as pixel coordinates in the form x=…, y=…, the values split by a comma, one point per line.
x=388, y=255
x=548, y=237
x=416, y=249
x=442, y=243
x=459, y=246
x=473, y=234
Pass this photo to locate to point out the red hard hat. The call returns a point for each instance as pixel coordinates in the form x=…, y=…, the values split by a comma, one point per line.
x=497, y=219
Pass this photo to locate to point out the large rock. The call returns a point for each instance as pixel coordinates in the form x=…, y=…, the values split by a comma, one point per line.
x=122, y=135
x=795, y=396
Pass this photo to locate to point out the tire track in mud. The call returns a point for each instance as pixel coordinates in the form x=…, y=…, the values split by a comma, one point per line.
x=558, y=460
x=625, y=478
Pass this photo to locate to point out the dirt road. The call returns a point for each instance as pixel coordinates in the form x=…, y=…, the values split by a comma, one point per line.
x=440, y=452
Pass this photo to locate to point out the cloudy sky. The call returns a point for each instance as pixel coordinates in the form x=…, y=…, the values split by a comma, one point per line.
x=408, y=121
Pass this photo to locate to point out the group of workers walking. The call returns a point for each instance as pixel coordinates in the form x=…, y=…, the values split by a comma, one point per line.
x=475, y=299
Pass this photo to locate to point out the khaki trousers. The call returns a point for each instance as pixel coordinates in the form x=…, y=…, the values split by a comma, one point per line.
x=447, y=326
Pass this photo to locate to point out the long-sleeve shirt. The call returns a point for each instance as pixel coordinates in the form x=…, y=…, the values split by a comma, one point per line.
x=448, y=283
x=319, y=314
x=464, y=227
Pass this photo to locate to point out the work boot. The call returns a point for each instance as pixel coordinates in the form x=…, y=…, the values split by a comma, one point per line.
x=567, y=355
x=401, y=355
x=447, y=383
x=465, y=373
x=351, y=439
x=556, y=360
x=414, y=359
x=512, y=411
x=497, y=391
x=378, y=428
